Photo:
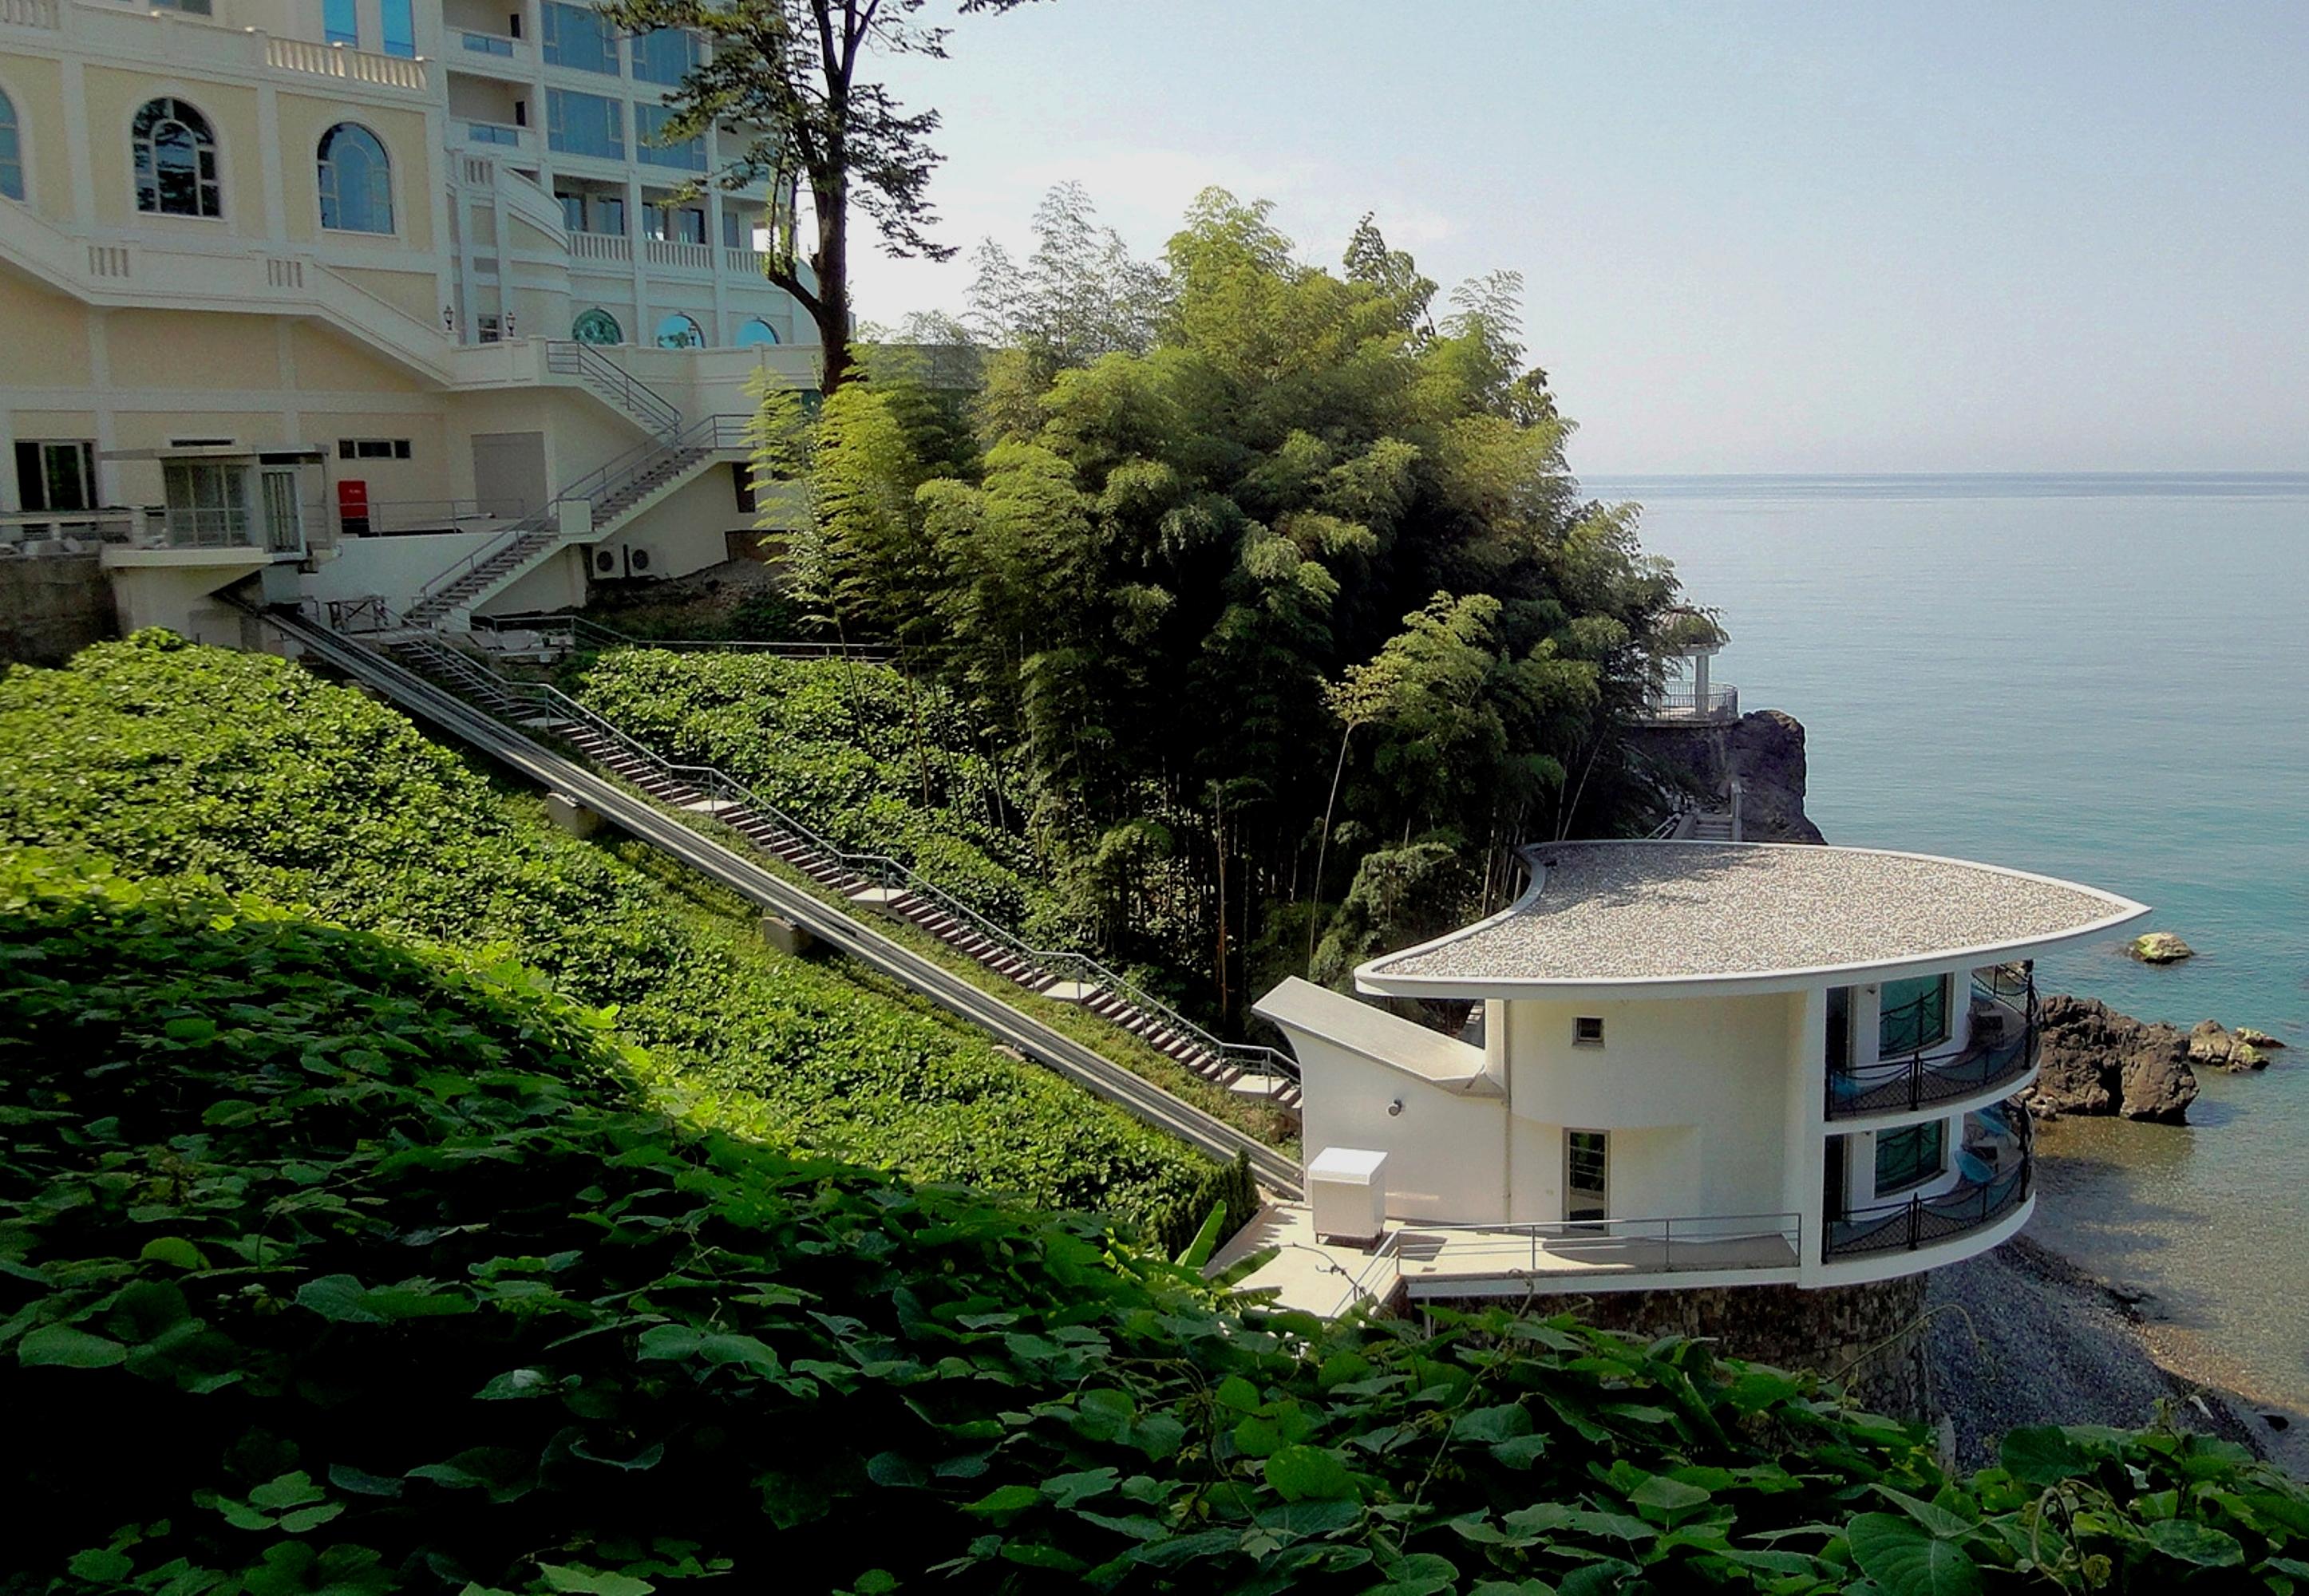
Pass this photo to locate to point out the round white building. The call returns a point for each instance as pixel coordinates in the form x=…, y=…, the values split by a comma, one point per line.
x=1695, y=1063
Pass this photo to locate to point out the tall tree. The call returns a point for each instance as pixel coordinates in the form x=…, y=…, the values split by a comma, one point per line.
x=781, y=85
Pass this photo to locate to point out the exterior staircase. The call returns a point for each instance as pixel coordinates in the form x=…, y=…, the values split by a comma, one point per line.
x=703, y=792
x=1712, y=827
x=611, y=496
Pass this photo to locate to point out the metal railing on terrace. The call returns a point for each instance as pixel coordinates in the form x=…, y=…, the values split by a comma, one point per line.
x=146, y=526
x=1565, y=1254
x=2001, y=1049
x=568, y=632
x=1681, y=707
x=1973, y=1204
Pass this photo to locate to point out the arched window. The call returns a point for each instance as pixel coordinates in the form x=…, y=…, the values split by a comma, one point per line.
x=356, y=181
x=12, y=150
x=597, y=326
x=678, y=331
x=756, y=331
x=176, y=162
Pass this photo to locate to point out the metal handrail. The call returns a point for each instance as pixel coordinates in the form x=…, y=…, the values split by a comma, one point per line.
x=1360, y=1286
x=709, y=433
x=569, y=358
x=1921, y=1221
x=1571, y=1238
x=1921, y=1079
x=1272, y=1064
x=579, y=629
x=1715, y=703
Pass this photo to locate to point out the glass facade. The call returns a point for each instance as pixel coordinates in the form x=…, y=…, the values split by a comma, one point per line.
x=579, y=124
x=664, y=55
x=1913, y=1015
x=1910, y=1156
x=577, y=36
x=649, y=120
x=356, y=181
x=176, y=162
x=400, y=19
x=12, y=150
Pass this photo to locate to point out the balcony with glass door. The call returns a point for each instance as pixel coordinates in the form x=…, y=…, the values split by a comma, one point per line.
x=1918, y=1065
x=1991, y=1163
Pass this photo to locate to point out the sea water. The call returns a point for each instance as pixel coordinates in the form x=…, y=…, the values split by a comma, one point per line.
x=2101, y=678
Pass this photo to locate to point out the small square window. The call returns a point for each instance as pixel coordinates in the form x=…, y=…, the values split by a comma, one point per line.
x=1587, y=1031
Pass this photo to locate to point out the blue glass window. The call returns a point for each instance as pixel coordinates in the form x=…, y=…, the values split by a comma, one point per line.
x=664, y=55
x=678, y=331
x=1910, y=1156
x=689, y=154
x=1913, y=1015
x=176, y=162
x=399, y=28
x=577, y=36
x=756, y=331
x=597, y=326
x=356, y=181
x=12, y=151
x=584, y=124
x=340, y=23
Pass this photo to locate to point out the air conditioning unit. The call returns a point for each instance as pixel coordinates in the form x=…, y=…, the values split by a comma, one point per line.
x=620, y=561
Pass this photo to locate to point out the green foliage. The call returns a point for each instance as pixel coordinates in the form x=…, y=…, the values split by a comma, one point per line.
x=330, y=1263
x=244, y=769
x=1215, y=496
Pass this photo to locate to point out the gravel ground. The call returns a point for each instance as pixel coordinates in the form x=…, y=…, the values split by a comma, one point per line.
x=2020, y=1336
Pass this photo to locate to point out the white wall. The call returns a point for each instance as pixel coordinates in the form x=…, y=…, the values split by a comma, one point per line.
x=1445, y=1151
x=1696, y=1094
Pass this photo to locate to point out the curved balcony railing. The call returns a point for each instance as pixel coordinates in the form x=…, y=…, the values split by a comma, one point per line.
x=2001, y=1049
x=1973, y=1205
x=1685, y=707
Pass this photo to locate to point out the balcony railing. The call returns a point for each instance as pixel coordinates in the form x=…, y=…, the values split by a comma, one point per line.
x=335, y=61
x=2000, y=1049
x=1979, y=1200
x=684, y=256
x=485, y=44
x=601, y=246
x=35, y=533
x=1690, y=708
x=503, y=134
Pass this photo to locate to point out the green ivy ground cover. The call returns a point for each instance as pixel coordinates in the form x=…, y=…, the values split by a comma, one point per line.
x=333, y=1263
x=169, y=760
x=854, y=751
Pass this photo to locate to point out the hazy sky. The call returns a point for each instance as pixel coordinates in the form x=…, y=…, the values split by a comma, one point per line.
x=1772, y=236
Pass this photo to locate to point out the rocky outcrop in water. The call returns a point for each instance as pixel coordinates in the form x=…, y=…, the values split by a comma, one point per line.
x=2238, y=1051
x=2093, y=1060
x=2160, y=947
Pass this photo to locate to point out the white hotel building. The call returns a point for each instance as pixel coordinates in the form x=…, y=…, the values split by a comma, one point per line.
x=377, y=298
x=1694, y=1065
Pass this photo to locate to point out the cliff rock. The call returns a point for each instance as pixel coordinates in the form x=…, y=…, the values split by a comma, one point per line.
x=1764, y=750
x=2096, y=1061
x=2236, y=1051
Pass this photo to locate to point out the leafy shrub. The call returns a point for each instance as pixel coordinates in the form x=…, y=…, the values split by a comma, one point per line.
x=245, y=769
x=850, y=749
x=332, y=1264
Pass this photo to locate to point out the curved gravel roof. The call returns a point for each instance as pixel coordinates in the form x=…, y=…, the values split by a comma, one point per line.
x=1647, y=913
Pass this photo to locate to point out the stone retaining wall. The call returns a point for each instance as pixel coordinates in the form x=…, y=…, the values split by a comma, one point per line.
x=1870, y=1339
x=52, y=606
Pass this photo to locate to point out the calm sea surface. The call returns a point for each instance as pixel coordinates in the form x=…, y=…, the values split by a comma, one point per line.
x=2099, y=678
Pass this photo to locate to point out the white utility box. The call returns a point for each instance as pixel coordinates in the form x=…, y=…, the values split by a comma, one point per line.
x=1347, y=1189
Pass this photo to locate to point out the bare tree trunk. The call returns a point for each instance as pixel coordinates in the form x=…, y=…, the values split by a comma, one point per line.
x=1322, y=844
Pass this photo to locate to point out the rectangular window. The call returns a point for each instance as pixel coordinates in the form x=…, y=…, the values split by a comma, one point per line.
x=52, y=474
x=1586, y=1031
x=489, y=327
x=400, y=27
x=208, y=503
x=372, y=448
x=1913, y=1015
x=584, y=124
x=1910, y=1156
x=664, y=55
x=191, y=8
x=577, y=36
x=690, y=155
x=733, y=230
x=573, y=210
x=340, y=23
